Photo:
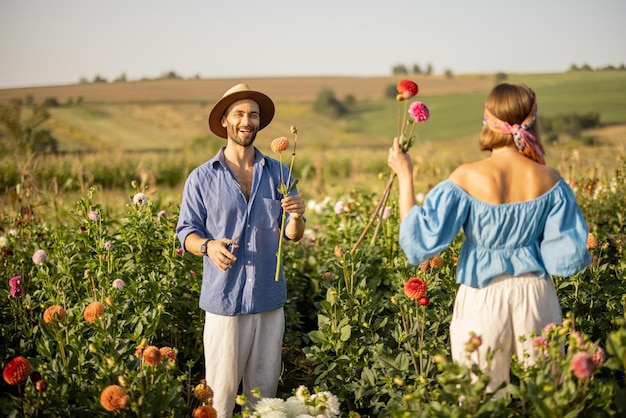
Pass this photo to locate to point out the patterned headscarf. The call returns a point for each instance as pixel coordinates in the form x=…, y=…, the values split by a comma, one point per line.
x=525, y=141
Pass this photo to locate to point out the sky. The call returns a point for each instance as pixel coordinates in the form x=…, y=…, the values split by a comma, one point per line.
x=56, y=42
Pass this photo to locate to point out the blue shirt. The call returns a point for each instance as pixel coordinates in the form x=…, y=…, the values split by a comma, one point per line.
x=214, y=206
x=545, y=236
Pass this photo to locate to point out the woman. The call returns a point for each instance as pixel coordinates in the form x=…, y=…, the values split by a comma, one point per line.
x=521, y=224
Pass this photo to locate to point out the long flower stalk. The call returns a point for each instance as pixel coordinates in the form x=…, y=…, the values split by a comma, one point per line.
x=279, y=145
x=419, y=113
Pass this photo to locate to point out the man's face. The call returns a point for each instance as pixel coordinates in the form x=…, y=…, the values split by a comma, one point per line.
x=242, y=121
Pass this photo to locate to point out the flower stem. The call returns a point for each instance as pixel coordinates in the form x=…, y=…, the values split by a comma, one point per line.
x=376, y=213
x=279, y=253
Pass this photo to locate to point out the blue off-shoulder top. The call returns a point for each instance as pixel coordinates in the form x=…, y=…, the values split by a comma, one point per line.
x=545, y=236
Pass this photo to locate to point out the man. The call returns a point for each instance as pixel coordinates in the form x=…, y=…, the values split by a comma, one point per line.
x=230, y=215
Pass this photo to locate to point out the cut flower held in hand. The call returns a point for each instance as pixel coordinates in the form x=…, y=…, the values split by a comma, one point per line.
x=285, y=187
x=418, y=113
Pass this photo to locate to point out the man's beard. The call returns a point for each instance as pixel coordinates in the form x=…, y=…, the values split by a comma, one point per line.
x=233, y=134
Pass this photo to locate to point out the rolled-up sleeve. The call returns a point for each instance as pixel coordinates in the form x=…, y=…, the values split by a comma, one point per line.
x=192, y=216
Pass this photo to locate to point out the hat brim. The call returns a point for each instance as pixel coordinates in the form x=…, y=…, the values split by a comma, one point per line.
x=266, y=109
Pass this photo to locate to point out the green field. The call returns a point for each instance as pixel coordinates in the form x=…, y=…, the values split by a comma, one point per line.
x=156, y=131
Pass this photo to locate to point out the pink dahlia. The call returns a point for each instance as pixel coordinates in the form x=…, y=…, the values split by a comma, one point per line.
x=39, y=257
x=93, y=215
x=140, y=199
x=419, y=111
x=582, y=365
x=17, y=289
x=415, y=288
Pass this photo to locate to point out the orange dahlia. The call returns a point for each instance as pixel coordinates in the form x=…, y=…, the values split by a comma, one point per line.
x=152, y=356
x=592, y=241
x=436, y=261
x=425, y=265
x=415, y=288
x=203, y=392
x=113, y=398
x=93, y=311
x=16, y=370
x=51, y=311
x=280, y=144
x=168, y=352
x=205, y=411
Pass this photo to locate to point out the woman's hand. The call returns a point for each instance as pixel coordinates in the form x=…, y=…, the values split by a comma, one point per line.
x=399, y=161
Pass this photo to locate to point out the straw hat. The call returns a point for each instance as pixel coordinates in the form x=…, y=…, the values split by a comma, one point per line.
x=240, y=92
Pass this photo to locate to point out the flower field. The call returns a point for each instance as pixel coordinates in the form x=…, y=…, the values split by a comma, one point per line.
x=99, y=316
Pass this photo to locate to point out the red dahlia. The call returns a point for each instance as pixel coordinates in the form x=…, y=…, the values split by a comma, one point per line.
x=16, y=370
x=407, y=88
x=415, y=288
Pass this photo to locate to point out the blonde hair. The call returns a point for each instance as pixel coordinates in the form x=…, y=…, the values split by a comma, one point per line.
x=511, y=103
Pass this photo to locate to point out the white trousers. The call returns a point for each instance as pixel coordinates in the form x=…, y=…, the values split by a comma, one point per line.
x=502, y=312
x=244, y=348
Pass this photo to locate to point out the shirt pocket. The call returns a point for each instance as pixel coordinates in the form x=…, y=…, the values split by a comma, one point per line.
x=270, y=218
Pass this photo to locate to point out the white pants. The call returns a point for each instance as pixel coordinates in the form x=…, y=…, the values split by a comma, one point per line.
x=507, y=309
x=247, y=347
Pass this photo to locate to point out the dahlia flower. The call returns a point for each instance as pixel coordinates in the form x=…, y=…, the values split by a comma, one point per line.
x=168, y=353
x=592, y=242
x=419, y=112
x=140, y=199
x=205, y=411
x=114, y=398
x=284, y=188
x=406, y=89
x=280, y=144
x=152, y=356
x=582, y=365
x=415, y=288
x=16, y=290
x=93, y=311
x=599, y=356
x=16, y=370
x=203, y=392
x=118, y=284
x=39, y=257
x=436, y=261
x=108, y=245
x=54, y=312
x=93, y=215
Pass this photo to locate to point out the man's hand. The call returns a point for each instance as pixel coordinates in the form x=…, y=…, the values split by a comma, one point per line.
x=219, y=251
x=294, y=206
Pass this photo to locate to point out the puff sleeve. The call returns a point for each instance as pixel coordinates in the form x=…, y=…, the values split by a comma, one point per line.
x=564, y=243
x=429, y=229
